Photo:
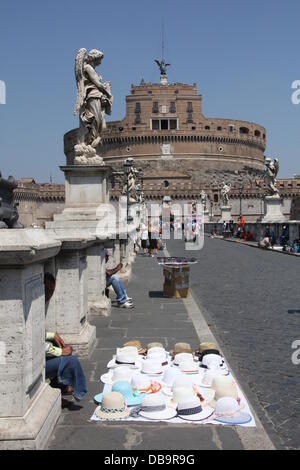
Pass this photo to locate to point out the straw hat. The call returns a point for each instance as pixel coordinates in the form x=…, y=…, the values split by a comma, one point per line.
x=112, y=407
x=137, y=344
x=132, y=350
x=179, y=382
x=125, y=389
x=181, y=348
x=190, y=409
x=119, y=373
x=207, y=345
x=123, y=358
x=170, y=374
x=158, y=354
x=214, y=361
x=154, y=345
x=228, y=411
x=224, y=386
x=182, y=357
x=154, y=407
x=152, y=367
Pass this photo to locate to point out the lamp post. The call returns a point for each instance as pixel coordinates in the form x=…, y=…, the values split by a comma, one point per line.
x=127, y=169
x=241, y=191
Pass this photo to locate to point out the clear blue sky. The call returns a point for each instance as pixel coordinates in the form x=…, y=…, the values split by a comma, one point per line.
x=243, y=56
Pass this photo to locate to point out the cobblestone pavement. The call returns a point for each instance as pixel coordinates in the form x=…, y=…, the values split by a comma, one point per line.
x=153, y=318
x=251, y=300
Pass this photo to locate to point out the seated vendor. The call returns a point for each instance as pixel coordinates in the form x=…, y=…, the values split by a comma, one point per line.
x=63, y=369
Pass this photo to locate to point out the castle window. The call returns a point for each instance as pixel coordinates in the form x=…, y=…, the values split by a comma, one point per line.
x=137, y=107
x=216, y=198
x=172, y=107
x=155, y=124
x=155, y=107
x=219, y=128
x=257, y=133
x=137, y=119
x=173, y=124
x=207, y=128
x=244, y=130
x=189, y=118
x=189, y=107
x=230, y=128
x=164, y=124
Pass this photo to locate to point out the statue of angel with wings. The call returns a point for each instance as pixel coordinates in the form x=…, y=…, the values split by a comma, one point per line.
x=94, y=98
x=224, y=193
x=162, y=66
x=271, y=171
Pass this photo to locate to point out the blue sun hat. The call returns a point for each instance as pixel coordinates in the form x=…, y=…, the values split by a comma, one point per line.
x=131, y=398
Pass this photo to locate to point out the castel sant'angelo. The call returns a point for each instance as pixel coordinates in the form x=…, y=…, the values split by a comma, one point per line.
x=181, y=152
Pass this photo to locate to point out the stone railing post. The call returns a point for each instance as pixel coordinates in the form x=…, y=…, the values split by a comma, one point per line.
x=29, y=407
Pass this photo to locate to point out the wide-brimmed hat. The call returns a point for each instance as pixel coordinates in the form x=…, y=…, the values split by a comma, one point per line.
x=224, y=386
x=132, y=350
x=170, y=374
x=158, y=354
x=154, y=407
x=206, y=396
x=123, y=387
x=113, y=407
x=126, y=359
x=181, y=381
x=214, y=361
x=181, y=348
x=119, y=373
x=201, y=355
x=228, y=411
x=182, y=357
x=207, y=379
x=137, y=344
x=144, y=384
x=190, y=409
x=191, y=370
x=206, y=345
x=154, y=345
x=152, y=367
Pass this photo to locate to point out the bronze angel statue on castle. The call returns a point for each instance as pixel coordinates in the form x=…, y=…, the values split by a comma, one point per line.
x=94, y=100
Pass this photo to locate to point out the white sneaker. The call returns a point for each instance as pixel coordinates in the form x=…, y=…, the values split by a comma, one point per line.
x=129, y=299
x=126, y=305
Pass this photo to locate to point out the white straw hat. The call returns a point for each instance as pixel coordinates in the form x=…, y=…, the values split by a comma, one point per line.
x=215, y=360
x=126, y=359
x=132, y=350
x=154, y=407
x=224, y=387
x=207, y=379
x=112, y=407
x=152, y=367
x=228, y=411
x=179, y=394
x=190, y=409
x=170, y=374
x=158, y=355
x=182, y=357
x=119, y=373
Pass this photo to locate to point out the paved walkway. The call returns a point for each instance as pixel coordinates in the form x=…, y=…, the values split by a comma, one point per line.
x=154, y=318
x=251, y=300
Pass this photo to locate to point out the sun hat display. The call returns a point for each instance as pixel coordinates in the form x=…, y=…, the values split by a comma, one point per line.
x=152, y=367
x=181, y=348
x=123, y=387
x=137, y=344
x=190, y=409
x=124, y=359
x=228, y=411
x=180, y=357
x=119, y=373
x=154, y=407
x=113, y=407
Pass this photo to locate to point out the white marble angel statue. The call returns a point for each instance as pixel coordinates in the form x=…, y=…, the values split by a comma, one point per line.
x=224, y=193
x=203, y=199
x=271, y=171
x=94, y=98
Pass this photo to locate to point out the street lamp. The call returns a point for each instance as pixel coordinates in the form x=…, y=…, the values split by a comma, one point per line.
x=241, y=191
x=127, y=169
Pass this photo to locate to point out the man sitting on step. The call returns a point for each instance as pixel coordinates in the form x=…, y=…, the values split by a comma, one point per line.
x=112, y=280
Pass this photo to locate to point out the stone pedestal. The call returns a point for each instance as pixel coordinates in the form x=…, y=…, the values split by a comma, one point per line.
x=98, y=303
x=225, y=214
x=71, y=296
x=29, y=408
x=273, y=210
